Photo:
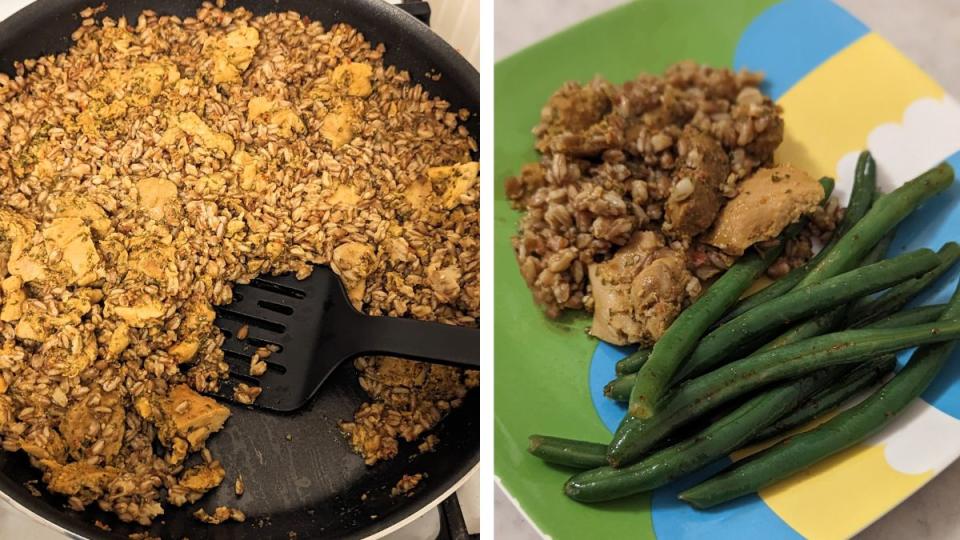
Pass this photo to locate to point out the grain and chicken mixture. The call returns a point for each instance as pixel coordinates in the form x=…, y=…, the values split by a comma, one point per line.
x=630, y=179
x=161, y=160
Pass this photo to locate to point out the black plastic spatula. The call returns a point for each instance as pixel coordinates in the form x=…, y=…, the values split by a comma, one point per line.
x=313, y=328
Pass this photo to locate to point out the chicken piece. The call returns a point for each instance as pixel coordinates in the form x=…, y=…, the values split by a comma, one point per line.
x=13, y=298
x=287, y=122
x=118, y=342
x=337, y=126
x=353, y=262
x=79, y=258
x=248, y=166
x=456, y=180
x=193, y=125
x=445, y=282
x=198, y=480
x=185, y=414
x=152, y=262
x=345, y=195
x=638, y=292
x=143, y=313
x=147, y=81
x=419, y=194
x=233, y=53
x=259, y=106
x=33, y=324
x=193, y=331
x=92, y=214
x=108, y=414
x=79, y=479
x=354, y=78
x=16, y=237
x=157, y=197
x=695, y=196
x=768, y=201
x=579, y=120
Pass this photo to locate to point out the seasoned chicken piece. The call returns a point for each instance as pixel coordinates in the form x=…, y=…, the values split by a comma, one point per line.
x=185, y=414
x=419, y=194
x=248, y=166
x=118, y=342
x=638, y=292
x=13, y=297
x=108, y=414
x=193, y=125
x=157, y=197
x=337, y=126
x=78, y=479
x=579, y=120
x=152, y=262
x=233, y=53
x=141, y=314
x=196, y=481
x=456, y=181
x=344, y=194
x=194, y=329
x=353, y=262
x=16, y=239
x=92, y=214
x=695, y=196
x=354, y=78
x=768, y=201
x=71, y=238
x=445, y=282
x=49, y=447
x=284, y=118
x=33, y=323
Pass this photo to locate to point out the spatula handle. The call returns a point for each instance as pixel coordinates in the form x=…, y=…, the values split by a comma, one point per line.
x=421, y=340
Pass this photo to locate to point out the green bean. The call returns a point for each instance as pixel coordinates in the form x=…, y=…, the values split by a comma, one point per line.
x=698, y=396
x=726, y=340
x=619, y=388
x=632, y=363
x=910, y=317
x=851, y=384
x=874, y=309
x=683, y=334
x=721, y=437
x=785, y=283
x=826, y=322
x=839, y=433
x=568, y=452
x=883, y=216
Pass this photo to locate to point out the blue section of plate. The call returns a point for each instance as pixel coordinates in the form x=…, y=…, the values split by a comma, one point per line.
x=673, y=518
x=933, y=225
x=774, y=45
x=603, y=368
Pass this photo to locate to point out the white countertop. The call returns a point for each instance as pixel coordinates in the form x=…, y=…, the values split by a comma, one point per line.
x=934, y=511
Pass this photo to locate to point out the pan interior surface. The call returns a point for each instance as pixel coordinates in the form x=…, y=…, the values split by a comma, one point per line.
x=299, y=473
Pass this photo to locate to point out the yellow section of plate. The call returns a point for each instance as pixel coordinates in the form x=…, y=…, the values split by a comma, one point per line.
x=838, y=482
x=831, y=111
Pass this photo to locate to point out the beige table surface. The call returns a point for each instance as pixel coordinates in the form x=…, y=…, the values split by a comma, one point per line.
x=928, y=31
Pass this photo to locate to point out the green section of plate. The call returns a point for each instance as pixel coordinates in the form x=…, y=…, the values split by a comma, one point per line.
x=541, y=366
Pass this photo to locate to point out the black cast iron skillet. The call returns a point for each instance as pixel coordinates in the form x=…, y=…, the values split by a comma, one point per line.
x=299, y=472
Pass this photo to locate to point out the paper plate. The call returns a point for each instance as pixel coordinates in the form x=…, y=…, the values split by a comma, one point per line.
x=842, y=88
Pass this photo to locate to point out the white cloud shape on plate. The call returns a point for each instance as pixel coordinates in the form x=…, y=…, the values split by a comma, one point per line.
x=928, y=134
x=913, y=442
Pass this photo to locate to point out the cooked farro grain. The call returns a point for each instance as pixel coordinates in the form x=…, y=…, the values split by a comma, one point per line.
x=161, y=160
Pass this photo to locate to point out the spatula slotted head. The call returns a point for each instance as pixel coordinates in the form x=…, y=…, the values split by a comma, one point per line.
x=294, y=318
